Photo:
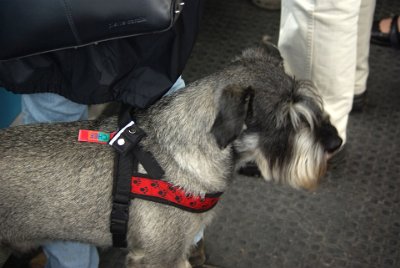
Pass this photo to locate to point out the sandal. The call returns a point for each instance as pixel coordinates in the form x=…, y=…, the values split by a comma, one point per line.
x=386, y=39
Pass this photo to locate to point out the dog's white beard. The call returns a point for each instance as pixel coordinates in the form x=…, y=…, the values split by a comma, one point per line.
x=303, y=170
x=309, y=162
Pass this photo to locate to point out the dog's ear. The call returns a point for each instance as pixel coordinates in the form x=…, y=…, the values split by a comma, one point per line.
x=233, y=110
x=266, y=51
x=272, y=50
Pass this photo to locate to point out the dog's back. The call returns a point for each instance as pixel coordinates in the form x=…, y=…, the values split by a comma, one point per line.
x=38, y=176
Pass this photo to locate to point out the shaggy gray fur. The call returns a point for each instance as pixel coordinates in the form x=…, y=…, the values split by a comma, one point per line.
x=53, y=187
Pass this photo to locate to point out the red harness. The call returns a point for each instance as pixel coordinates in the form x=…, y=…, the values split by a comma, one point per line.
x=130, y=154
x=163, y=192
x=154, y=189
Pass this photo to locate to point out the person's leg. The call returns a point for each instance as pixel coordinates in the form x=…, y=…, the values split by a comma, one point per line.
x=179, y=84
x=386, y=23
x=365, y=20
x=386, y=32
x=71, y=255
x=318, y=42
x=48, y=107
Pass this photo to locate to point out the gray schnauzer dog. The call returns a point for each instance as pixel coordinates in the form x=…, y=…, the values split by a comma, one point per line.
x=53, y=187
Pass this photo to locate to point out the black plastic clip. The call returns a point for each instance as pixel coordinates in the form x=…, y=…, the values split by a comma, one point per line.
x=127, y=138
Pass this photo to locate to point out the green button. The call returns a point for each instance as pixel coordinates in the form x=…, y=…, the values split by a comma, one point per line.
x=104, y=137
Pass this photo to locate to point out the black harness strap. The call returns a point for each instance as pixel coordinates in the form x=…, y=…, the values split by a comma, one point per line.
x=153, y=169
x=124, y=167
x=126, y=164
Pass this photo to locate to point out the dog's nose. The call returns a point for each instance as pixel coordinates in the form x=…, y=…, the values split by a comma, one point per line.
x=330, y=138
x=332, y=144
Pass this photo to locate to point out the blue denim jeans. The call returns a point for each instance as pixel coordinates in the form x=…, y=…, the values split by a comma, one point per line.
x=50, y=108
x=47, y=108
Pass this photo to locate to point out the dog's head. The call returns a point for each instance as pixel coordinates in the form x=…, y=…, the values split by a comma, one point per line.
x=276, y=121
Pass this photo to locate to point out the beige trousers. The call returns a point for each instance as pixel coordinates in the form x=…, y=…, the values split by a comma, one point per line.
x=327, y=42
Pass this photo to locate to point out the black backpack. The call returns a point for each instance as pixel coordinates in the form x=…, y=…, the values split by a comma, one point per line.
x=135, y=70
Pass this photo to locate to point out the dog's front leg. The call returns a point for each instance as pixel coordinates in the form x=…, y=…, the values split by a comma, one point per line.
x=137, y=259
x=185, y=264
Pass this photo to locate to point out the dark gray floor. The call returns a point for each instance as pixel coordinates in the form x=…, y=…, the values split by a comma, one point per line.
x=353, y=219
